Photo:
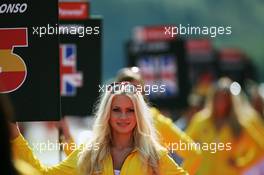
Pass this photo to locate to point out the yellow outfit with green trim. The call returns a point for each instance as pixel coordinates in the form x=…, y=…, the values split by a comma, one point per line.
x=244, y=150
x=131, y=166
x=169, y=133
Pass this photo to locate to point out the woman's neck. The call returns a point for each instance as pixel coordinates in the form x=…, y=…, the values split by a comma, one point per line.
x=121, y=141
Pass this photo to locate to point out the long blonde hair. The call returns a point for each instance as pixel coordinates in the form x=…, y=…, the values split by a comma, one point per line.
x=242, y=114
x=144, y=136
x=223, y=85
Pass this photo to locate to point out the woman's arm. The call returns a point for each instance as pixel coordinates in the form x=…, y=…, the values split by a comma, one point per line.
x=171, y=135
x=21, y=150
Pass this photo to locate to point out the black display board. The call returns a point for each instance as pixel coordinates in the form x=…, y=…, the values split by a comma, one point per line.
x=80, y=81
x=234, y=63
x=202, y=62
x=29, y=58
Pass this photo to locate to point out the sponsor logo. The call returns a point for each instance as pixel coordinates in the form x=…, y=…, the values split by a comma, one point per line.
x=73, y=10
x=13, y=8
x=13, y=69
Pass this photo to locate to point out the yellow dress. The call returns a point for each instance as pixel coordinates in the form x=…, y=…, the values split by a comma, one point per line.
x=23, y=168
x=131, y=166
x=244, y=150
x=169, y=134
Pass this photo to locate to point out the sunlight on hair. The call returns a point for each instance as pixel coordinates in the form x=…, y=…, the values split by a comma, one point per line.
x=135, y=69
x=235, y=88
x=261, y=90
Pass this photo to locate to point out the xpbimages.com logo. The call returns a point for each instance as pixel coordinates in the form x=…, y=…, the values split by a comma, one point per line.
x=56, y=146
x=66, y=29
x=212, y=31
x=127, y=87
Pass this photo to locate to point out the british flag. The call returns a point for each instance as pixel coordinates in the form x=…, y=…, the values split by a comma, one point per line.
x=168, y=74
x=160, y=70
x=69, y=77
x=147, y=67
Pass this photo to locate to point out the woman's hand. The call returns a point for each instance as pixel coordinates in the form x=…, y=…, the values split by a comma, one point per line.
x=14, y=130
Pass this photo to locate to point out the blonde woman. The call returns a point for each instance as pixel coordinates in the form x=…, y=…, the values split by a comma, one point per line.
x=227, y=124
x=124, y=141
x=168, y=133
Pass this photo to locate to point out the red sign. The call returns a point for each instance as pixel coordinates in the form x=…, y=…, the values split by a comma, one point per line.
x=231, y=54
x=152, y=33
x=73, y=10
x=13, y=69
x=199, y=45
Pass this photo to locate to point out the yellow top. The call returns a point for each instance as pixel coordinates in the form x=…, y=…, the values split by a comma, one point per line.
x=170, y=135
x=70, y=146
x=24, y=168
x=131, y=166
x=240, y=153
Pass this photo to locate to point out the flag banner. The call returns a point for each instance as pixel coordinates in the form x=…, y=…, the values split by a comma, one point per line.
x=163, y=65
x=70, y=78
x=80, y=66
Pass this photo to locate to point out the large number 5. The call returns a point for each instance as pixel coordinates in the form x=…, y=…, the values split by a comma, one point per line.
x=13, y=69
